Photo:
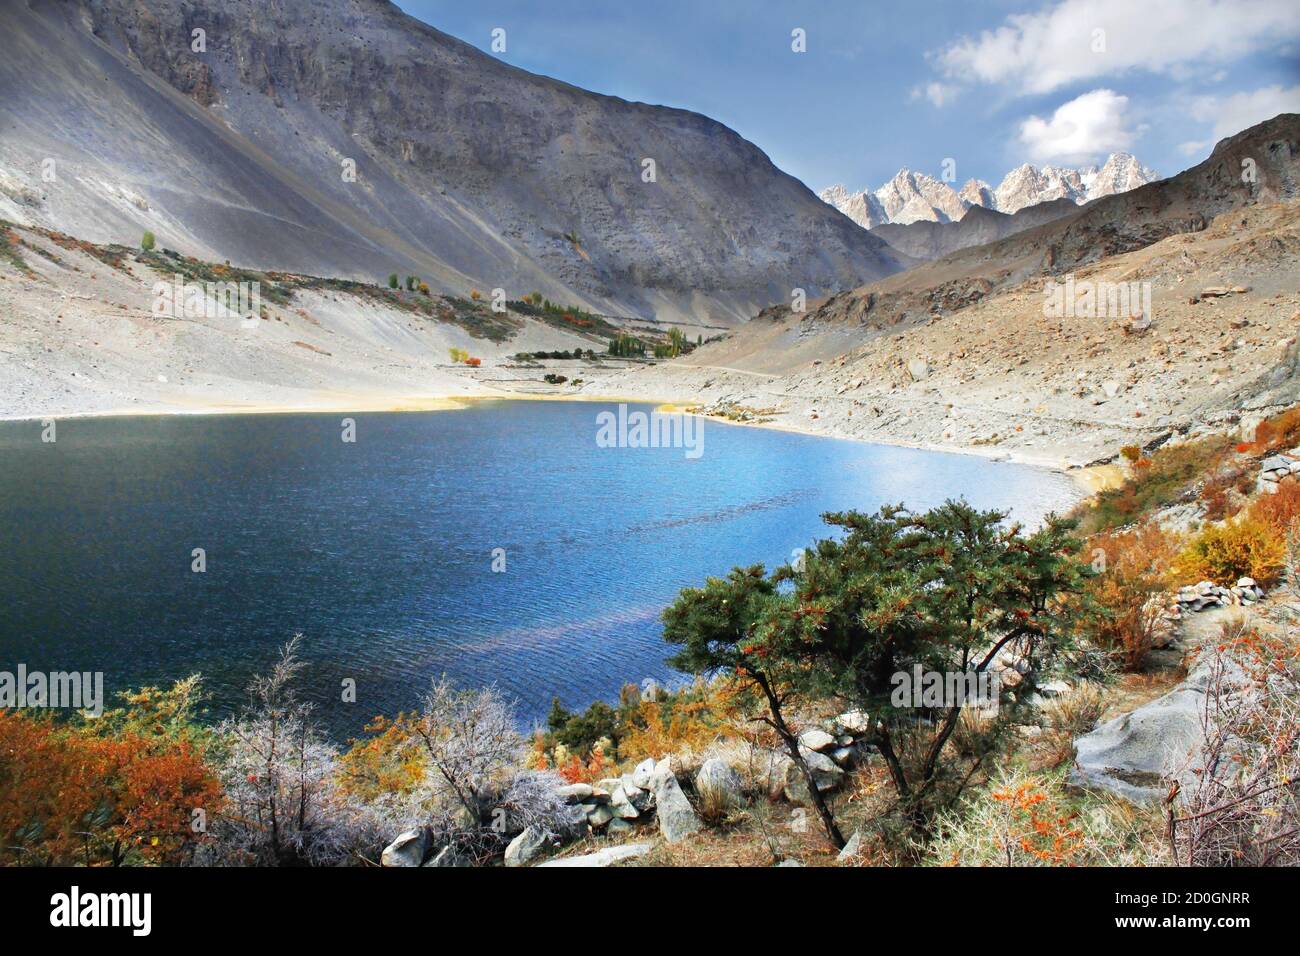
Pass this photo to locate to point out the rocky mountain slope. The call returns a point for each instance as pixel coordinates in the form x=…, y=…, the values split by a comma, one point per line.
x=468, y=172
x=933, y=240
x=961, y=352
x=915, y=197
x=85, y=332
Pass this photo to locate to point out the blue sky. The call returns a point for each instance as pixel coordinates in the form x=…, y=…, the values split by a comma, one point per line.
x=987, y=83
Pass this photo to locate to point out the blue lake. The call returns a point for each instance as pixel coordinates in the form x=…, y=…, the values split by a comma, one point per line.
x=380, y=551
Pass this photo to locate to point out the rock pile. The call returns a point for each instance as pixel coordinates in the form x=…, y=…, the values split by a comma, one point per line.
x=1274, y=468
x=652, y=793
x=829, y=751
x=1207, y=594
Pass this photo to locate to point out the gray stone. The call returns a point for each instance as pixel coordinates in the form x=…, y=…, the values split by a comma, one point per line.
x=918, y=369
x=1137, y=754
x=575, y=792
x=606, y=857
x=843, y=756
x=677, y=819
x=598, y=814
x=618, y=826
x=826, y=775
x=818, y=740
x=643, y=773
x=854, y=722
x=789, y=863
x=851, y=849
x=524, y=848
x=640, y=798
x=408, y=849
x=447, y=856
x=621, y=806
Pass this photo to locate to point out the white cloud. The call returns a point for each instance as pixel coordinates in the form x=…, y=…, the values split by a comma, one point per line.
x=1041, y=52
x=1194, y=146
x=1086, y=127
x=936, y=93
x=1232, y=114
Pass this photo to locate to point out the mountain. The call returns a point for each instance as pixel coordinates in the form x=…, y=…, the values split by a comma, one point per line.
x=963, y=353
x=980, y=225
x=469, y=173
x=915, y=197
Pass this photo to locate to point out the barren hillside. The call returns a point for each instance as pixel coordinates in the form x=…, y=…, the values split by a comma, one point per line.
x=467, y=171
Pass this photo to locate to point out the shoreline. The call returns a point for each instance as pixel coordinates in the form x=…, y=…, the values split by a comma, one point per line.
x=1088, y=479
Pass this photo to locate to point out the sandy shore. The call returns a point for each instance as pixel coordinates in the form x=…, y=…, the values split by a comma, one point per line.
x=1088, y=480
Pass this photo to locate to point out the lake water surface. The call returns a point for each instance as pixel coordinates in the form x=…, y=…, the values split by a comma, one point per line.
x=380, y=552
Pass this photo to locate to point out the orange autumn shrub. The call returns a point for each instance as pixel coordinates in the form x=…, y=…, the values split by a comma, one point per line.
x=385, y=761
x=1134, y=570
x=1222, y=553
x=1036, y=826
x=1279, y=432
x=1019, y=820
x=70, y=795
x=1281, y=510
x=690, y=720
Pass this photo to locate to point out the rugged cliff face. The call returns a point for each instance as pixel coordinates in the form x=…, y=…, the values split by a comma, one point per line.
x=469, y=172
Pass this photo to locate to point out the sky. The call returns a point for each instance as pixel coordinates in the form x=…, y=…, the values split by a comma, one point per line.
x=987, y=84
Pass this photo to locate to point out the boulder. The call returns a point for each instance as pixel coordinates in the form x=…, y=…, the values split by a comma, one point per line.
x=639, y=797
x=643, y=774
x=524, y=848
x=598, y=814
x=575, y=792
x=852, y=848
x=918, y=369
x=621, y=806
x=677, y=819
x=718, y=778
x=818, y=740
x=843, y=756
x=447, y=856
x=853, y=722
x=826, y=775
x=408, y=849
x=1136, y=755
x=606, y=857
